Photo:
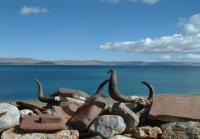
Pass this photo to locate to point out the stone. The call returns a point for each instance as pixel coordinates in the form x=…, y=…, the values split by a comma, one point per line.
x=42, y=123
x=94, y=137
x=26, y=112
x=87, y=113
x=181, y=130
x=173, y=108
x=71, y=106
x=14, y=133
x=121, y=137
x=108, y=125
x=11, y=116
x=146, y=132
x=130, y=118
x=59, y=112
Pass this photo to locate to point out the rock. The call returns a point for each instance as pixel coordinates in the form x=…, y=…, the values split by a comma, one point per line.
x=26, y=112
x=121, y=137
x=175, y=108
x=87, y=113
x=71, y=106
x=11, y=116
x=130, y=118
x=42, y=123
x=108, y=125
x=94, y=137
x=146, y=132
x=181, y=130
x=14, y=133
x=59, y=112
x=132, y=106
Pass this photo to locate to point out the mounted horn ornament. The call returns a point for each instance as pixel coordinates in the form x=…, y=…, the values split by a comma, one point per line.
x=61, y=96
x=41, y=96
x=118, y=96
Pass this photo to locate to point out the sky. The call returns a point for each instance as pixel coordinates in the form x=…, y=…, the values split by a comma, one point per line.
x=110, y=30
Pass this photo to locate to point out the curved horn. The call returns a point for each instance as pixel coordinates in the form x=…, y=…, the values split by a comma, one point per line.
x=113, y=89
x=151, y=91
x=41, y=96
x=100, y=88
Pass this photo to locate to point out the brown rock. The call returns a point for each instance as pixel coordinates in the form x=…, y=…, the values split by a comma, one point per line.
x=61, y=112
x=173, y=108
x=41, y=123
x=87, y=113
x=146, y=132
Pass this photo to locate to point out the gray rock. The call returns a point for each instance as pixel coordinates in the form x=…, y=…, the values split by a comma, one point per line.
x=64, y=134
x=94, y=137
x=11, y=116
x=108, y=125
x=181, y=130
x=130, y=118
x=26, y=112
x=121, y=137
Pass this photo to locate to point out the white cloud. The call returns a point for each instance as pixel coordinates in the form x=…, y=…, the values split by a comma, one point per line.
x=112, y=1
x=190, y=56
x=149, y=2
x=186, y=42
x=165, y=57
x=32, y=10
x=166, y=44
x=192, y=26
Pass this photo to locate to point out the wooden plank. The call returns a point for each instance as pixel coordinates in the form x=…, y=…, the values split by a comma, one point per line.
x=170, y=108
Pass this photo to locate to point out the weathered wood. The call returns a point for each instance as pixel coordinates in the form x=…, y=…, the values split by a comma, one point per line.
x=170, y=108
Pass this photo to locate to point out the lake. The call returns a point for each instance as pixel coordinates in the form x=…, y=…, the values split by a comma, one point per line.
x=18, y=81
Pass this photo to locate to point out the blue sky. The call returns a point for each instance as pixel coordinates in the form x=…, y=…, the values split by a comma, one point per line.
x=122, y=30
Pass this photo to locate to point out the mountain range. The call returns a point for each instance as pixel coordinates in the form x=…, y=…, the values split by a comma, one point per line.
x=30, y=61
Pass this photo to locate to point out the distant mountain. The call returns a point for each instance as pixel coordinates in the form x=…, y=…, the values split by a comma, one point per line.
x=30, y=61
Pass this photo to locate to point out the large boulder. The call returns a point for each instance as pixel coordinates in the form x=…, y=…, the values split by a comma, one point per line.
x=108, y=125
x=13, y=133
x=9, y=116
x=181, y=130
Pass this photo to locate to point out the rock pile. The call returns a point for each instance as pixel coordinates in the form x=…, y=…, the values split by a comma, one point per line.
x=73, y=114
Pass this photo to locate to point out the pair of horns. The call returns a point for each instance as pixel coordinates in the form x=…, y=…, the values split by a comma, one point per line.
x=113, y=90
x=52, y=99
x=118, y=96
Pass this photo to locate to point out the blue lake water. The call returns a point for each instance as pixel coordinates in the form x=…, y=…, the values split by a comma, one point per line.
x=18, y=81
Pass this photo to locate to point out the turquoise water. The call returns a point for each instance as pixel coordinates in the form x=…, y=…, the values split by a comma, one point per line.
x=18, y=81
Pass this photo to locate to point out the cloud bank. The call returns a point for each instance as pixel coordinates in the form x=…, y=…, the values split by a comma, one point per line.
x=187, y=42
x=32, y=10
x=148, y=2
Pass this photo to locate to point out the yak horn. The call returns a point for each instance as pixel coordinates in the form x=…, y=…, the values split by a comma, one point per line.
x=151, y=91
x=100, y=88
x=41, y=96
x=113, y=89
x=118, y=96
